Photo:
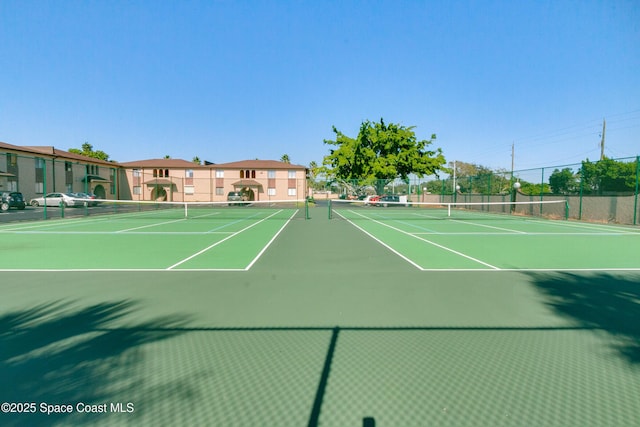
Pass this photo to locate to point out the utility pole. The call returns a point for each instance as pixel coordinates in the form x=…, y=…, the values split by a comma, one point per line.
x=513, y=157
x=604, y=128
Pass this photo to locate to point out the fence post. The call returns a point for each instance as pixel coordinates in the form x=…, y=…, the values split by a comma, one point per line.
x=635, y=205
x=541, y=190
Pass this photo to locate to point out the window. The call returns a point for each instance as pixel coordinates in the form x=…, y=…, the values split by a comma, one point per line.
x=114, y=180
x=292, y=174
x=188, y=173
x=67, y=166
x=219, y=173
x=39, y=176
x=69, y=188
x=271, y=191
x=189, y=189
x=166, y=173
x=292, y=191
x=12, y=160
x=247, y=173
x=271, y=174
x=219, y=191
x=136, y=173
x=155, y=173
x=137, y=190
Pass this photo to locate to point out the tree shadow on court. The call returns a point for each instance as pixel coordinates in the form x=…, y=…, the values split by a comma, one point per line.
x=605, y=301
x=60, y=353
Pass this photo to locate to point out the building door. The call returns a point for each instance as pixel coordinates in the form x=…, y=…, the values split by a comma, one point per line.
x=100, y=192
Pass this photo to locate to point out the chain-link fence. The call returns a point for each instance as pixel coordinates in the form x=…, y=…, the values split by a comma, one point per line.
x=600, y=191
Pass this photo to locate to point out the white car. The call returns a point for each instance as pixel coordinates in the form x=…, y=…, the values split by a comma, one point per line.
x=58, y=199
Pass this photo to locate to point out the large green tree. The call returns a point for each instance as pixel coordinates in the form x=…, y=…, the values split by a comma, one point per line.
x=380, y=154
x=608, y=175
x=563, y=181
x=87, y=150
x=479, y=179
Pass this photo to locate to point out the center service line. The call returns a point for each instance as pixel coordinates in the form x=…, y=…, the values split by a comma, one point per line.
x=223, y=240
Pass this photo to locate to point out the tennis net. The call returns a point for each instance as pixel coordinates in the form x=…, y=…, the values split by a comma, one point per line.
x=383, y=209
x=231, y=210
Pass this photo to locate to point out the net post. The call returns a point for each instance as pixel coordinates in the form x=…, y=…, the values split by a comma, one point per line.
x=186, y=210
x=449, y=210
x=306, y=209
x=566, y=209
x=329, y=210
x=635, y=199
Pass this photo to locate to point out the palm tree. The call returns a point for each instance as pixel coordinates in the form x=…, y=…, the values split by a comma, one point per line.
x=285, y=158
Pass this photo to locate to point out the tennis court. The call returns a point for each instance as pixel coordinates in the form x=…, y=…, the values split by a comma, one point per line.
x=330, y=322
x=431, y=237
x=139, y=236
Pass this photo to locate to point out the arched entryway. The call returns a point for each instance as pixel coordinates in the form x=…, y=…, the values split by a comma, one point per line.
x=159, y=194
x=249, y=193
x=100, y=192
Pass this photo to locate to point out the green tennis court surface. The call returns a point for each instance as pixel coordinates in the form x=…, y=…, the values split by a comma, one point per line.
x=336, y=321
x=160, y=240
x=483, y=241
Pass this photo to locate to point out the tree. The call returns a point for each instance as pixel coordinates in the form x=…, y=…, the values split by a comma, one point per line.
x=563, y=181
x=479, y=179
x=196, y=160
x=381, y=153
x=87, y=150
x=608, y=175
x=285, y=158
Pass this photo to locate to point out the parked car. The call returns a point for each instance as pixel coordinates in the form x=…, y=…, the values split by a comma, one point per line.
x=371, y=200
x=384, y=200
x=91, y=198
x=236, y=196
x=59, y=200
x=10, y=200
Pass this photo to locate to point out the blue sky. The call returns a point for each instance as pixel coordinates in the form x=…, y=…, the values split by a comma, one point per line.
x=233, y=80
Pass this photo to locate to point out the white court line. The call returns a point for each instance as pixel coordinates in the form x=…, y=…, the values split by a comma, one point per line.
x=164, y=270
x=270, y=241
x=221, y=241
x=488, y=226
x=535, y=233
x=416, y=265
x=586, y=225
x=427, y=241
x=146, y=233
x=150, y=225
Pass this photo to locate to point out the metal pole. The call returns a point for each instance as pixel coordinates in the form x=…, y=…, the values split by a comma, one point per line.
x=44, y=186
x=581, y=191
x=635, y=205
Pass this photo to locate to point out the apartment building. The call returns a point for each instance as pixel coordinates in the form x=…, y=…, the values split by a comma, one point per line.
x=37, y=170
x=181, y=180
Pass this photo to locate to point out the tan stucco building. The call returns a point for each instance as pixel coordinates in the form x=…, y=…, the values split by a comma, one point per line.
x=36, y=170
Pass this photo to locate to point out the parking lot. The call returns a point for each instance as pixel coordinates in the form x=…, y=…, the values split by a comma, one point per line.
x=31, y=213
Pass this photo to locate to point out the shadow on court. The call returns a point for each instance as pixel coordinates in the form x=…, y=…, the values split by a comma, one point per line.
x=603, y=301
x=59, y=353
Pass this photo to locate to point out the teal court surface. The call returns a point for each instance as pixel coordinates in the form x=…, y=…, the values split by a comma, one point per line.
x=377, y=316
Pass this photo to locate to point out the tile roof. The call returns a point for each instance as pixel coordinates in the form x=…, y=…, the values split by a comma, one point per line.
x=162, y=163
x=52, y=151
x=259, y=164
